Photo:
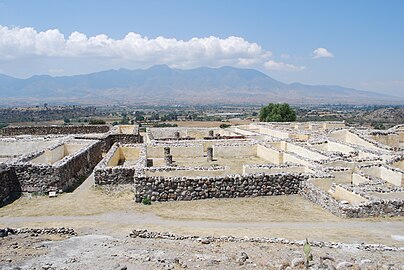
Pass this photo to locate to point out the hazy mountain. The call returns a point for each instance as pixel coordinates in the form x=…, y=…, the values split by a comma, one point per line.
x=161, y=84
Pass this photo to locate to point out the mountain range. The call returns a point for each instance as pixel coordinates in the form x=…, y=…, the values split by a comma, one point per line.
x=164, y=85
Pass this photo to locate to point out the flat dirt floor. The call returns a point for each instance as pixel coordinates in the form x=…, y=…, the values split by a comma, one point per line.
x=90, y=210
x=104, y=218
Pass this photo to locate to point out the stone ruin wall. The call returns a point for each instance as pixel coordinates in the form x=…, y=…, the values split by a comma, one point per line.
x=8, y=184
x=60, y=175
x=232, y=186
x=371, y=208
x=45, y=130
x=118, y=175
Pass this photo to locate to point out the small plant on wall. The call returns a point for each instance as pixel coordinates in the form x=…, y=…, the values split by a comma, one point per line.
x=146, y=201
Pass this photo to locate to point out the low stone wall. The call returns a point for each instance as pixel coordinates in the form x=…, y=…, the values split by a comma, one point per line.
x=126, y=138
x=373, y=208
x=45, y=130
x=8, y=183
x=114, y=176
x=142, y=233
x=105, y=175
x=182, y=188
x=60, y=175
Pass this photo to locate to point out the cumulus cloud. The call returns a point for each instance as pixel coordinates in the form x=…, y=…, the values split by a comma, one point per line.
x=53, y=48
x=280, y=66
x=23, y=42
x=322, y=53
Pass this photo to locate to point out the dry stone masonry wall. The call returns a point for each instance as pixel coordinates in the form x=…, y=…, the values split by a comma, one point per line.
x=37, y=177
x=8, y=183
x=232, y=186
x=356, y=163
x=46, y=130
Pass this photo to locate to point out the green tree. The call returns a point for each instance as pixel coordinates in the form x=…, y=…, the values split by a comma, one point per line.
x=277, y=113
x=125, y=119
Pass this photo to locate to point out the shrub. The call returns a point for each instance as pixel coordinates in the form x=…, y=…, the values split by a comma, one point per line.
x=164, y=125
x=224, y=125
x=96, y=122
x=146, y=201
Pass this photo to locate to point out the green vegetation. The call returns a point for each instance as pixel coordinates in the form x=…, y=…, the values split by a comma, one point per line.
x=164, y=125
x=277, y=113
x=125, y=119
x=2, y=125
x=307, y=253
x=377, y=125
x=146, y=201
x=224, y=125
x=96, y=122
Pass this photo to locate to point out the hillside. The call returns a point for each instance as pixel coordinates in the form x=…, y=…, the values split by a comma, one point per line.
x=384, y=115
x=164, y=85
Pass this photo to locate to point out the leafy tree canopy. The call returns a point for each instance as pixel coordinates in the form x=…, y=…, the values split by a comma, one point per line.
x=277, y=113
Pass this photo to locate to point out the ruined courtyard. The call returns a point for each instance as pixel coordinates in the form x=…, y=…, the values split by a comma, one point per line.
x=288, y=180
x=350, y=172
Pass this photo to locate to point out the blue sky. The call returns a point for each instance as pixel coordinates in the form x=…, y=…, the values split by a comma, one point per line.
x=350, y=43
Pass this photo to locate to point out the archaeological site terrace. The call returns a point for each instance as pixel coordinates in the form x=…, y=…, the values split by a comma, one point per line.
x=350, y=172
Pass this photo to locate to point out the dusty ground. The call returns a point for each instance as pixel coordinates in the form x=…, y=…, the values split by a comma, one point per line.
x=103, y=220
x=107, y=252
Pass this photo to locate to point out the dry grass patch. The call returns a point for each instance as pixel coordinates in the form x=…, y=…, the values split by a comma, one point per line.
x=291, y=208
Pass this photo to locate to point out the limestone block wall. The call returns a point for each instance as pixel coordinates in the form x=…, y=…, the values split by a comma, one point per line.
x=234, y=150
x=388, y=174
x=358, y=179
x=8, y=183
x=269, y=154
x=293, y=158
x=183, y=188
x=273, y=132
x=301, y=151
x=14, y=147
x=198, y=133
x=186, y=150
x=45, y=130
x=242, y=131
x=342, y=194
x=50, y=156
x=123, y=153
x=392, y=140
x=334, y=147
x=351, y=138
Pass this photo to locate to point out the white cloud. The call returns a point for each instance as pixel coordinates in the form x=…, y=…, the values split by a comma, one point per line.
x=17, y=43
x=322, y=53
x=280, y=66
x=285, y=56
